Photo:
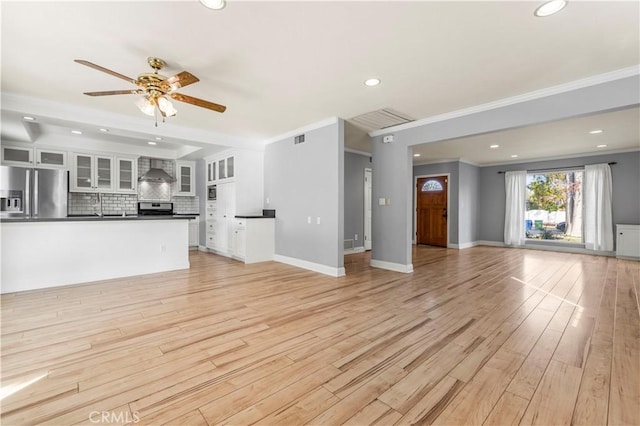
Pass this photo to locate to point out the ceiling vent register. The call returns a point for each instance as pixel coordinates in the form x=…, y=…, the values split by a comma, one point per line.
x=380, y=119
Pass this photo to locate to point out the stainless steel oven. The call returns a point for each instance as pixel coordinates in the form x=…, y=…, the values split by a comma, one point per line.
x=212, y=192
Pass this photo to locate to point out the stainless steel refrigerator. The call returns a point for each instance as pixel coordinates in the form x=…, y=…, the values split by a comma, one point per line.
x=33, y=193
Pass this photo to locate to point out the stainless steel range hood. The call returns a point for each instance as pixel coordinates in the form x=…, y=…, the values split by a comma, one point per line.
x=156, y=174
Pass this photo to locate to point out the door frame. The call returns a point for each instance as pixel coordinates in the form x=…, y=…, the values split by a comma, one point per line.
x=415, y=204
x=367, y=242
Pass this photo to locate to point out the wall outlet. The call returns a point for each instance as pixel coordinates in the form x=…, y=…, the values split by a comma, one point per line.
x=163, y=248
x=318, y=220
x=308, y=219
x=355, y=237
x=268, y=200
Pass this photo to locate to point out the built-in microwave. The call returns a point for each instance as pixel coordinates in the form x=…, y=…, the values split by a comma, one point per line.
x=212, y=192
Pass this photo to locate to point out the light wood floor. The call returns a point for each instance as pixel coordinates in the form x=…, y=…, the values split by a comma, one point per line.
x=480, y=336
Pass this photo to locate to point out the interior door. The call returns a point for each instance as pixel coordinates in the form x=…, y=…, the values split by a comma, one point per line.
x=431, y=211
x=367, y=209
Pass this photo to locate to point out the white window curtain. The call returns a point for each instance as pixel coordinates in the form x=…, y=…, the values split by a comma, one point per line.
x=598, y=220
x=514, y=225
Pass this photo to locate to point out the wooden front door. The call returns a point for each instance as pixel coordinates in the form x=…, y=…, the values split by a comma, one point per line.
x=431, y=211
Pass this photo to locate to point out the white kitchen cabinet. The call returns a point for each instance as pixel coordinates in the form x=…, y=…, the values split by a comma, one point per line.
x=185, y=175
x=126, y=175
x=238, y=176
x=34, y=157
x=222, y=168
x=255, y=239
x=210, y=224
x=17, y=156
x=628, y=241
x=212, y=175
x=51, y=158
x=92, y=173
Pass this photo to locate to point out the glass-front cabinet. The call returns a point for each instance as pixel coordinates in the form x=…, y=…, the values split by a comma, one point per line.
x=51, y=158
x=185, y=184
x=92, y=173
x=221, y=169
x=211, y=171
x=30, y=157
x=17, y=156
x=126, y=175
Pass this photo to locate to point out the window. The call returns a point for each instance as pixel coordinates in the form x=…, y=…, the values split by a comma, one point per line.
x=432, y=186
x=554, y=206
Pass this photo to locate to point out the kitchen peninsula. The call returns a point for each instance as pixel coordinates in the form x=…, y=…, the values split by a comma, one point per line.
x=53, y=252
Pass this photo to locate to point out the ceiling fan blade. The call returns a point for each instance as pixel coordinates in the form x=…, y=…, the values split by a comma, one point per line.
x=182, y=79
x=103, y=69
x=116, y=92
x=198, y=102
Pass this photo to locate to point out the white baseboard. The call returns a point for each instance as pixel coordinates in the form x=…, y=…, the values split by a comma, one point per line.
x=396, y=267
x=311, y=266
x=463, y=245
x=354, y=250
x=558, y=248
x=489, y=243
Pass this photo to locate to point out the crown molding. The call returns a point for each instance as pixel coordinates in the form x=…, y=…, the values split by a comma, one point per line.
x=355, y=151
x=564, y=157
x=318, y=125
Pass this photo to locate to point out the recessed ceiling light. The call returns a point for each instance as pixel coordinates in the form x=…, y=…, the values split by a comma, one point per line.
x=601, y=146
x=104, y=130
x=597, y=131
x=372, y=82
x=514, y=156
x=416, y=155
x=494, y=146
x=214, y=4
x=26, y=117
x=76, y=132
x=158, y=138
x=152, y=143
x=550, y=7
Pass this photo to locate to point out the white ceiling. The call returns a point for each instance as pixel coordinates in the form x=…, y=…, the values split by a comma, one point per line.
x=279, y=66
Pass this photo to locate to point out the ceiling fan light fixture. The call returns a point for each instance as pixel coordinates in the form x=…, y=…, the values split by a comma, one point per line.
x=548, y=8
x=146, y=106
x=214, y=4
x=166, y=107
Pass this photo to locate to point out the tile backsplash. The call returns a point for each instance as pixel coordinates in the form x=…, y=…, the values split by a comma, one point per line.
x=155, y=191
x=112, y=204
x=186, y=205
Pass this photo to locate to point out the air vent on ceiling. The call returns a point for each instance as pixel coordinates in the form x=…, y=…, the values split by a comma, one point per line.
x=380, y=119
x=298, y=139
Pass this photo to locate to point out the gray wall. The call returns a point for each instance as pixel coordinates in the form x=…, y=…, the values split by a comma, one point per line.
x=307, y=180
x=468, y=208
x=354, y=165
x=391, y=225
x=626, y=190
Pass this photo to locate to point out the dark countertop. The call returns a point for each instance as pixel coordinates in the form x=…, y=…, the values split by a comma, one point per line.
x=254, y=217
x=100, y=219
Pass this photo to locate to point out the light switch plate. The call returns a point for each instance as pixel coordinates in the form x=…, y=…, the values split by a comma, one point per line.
x=381, y=201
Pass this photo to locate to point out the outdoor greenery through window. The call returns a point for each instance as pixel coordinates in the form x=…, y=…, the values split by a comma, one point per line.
x=554, y=206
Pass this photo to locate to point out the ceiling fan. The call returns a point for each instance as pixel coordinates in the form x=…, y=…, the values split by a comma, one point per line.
x=155, y=89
